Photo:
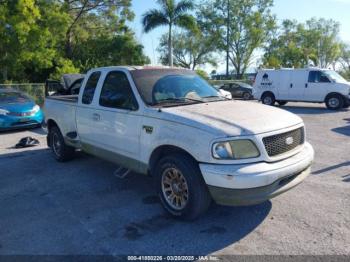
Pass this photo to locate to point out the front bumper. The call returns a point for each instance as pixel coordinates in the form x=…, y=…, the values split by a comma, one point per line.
x=251, y=184
x=16, y=122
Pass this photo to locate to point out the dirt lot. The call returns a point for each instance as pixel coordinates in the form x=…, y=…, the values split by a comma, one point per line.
x=81, y=208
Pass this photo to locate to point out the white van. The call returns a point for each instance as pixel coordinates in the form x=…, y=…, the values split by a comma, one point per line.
x=302, y=85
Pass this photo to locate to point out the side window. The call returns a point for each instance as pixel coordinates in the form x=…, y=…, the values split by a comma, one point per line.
x=117, y=93
x=318, y=77
x=90, y=87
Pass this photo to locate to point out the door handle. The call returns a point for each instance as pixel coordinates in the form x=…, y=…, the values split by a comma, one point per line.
x=96, y=117
x=291, y=85
x=306, y=85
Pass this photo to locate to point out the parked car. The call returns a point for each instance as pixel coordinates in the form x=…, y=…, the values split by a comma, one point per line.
x=172, y=125
x=239, y=90
x=302, y=85
x=17, y=110
x=223, y=92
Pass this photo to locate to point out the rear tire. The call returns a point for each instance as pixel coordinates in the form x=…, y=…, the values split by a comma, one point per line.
x=334, y=102
x=268, y=99
x=181, y=187
x=60, y=150
x=282, y=103
x=246, y=96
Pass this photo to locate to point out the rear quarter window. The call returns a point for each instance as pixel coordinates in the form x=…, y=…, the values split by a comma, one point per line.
x=90, y=88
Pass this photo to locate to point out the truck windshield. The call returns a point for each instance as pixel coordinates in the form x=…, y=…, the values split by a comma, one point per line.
x=335, y=76
x=173, y=86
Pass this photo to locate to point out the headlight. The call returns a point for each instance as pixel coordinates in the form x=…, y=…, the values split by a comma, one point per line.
x=236, y=149
x=3, y=112
x=36, y=109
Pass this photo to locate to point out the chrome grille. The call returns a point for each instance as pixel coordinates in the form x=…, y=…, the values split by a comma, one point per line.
x=282, y=143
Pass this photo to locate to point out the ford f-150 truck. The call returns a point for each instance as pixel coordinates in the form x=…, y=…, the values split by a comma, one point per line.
x=172, y=125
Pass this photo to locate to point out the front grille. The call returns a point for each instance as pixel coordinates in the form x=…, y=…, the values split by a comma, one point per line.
x=282, y=143
x=21, y=113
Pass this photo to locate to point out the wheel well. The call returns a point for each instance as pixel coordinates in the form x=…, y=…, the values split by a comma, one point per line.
x=267, y=92
x=332, y=94
x=51, y=123
x=164, y=150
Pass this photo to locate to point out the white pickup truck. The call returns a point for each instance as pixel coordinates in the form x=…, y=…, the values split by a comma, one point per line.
x=172, y=125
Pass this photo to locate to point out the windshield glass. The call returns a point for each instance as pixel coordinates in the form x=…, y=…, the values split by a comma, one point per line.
x=12, y=97
x=173, y=86
x=245, y=85
x=335, y=76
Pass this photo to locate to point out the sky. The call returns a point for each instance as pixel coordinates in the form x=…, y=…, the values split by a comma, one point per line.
x=301, y=10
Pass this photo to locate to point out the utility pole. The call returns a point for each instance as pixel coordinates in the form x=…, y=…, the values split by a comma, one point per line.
x=228, y=40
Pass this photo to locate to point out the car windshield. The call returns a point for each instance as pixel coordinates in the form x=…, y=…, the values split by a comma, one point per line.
x=12, y=97
x=169, y=87
x=335, y=76
x=245, y=85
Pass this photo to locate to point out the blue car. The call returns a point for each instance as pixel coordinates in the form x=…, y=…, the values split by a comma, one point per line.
x=17, y=110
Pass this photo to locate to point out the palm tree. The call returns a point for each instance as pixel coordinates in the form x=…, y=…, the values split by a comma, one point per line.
x=171, y=14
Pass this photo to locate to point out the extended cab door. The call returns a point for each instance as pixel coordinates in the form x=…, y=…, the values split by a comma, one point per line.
x=317, y=86
x=86, y=115
x=117, y=123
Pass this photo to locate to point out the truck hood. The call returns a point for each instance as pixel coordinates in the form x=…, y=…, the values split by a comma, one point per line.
x=232, y=118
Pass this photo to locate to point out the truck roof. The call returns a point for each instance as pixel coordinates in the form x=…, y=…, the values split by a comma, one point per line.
x=133, y=68
x=294, y=69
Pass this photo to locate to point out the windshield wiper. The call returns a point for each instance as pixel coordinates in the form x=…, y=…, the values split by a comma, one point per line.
x=221, y=97
x=176, y=100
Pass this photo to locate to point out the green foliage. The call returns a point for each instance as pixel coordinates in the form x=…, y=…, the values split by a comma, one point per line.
x=171, y=13
x=249, y=24
x=345, y=61
x=191, y=49
x=315, y=42
x=202, y=74
x=45, y=38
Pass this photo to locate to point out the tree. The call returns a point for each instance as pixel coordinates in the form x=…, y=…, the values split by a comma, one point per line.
x=190, y=50
x=249, y=25
x=33, y=37
x=345, y=61
x=315, y=42
x=30, y=33
x=171, y=14
x=107, y=50
x=94, y=15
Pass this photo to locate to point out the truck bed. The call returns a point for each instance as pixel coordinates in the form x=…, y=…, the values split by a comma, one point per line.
x=68, y=98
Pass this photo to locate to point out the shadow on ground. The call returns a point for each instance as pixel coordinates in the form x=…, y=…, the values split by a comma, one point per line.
x=79, y=207
x=345, y=130
x=331, y=168
x=37, y=130
x=303, y=110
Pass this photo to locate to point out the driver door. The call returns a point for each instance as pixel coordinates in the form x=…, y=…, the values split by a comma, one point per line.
x=317, y=86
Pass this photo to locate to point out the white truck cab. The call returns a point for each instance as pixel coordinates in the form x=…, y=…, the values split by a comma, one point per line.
x=302, y=85
x=172, y=125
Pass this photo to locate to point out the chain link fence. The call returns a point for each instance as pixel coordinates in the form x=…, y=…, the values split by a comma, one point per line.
x=34, y=90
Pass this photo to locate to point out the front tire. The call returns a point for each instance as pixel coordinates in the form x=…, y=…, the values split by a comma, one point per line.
x=268, y=99
x=334, y=102
x=60, y=150
x=181, y=187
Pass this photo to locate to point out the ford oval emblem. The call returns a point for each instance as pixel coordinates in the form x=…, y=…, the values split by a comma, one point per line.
x=289, y=141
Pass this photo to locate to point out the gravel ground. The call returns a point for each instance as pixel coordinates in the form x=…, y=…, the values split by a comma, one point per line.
x=81, y=208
